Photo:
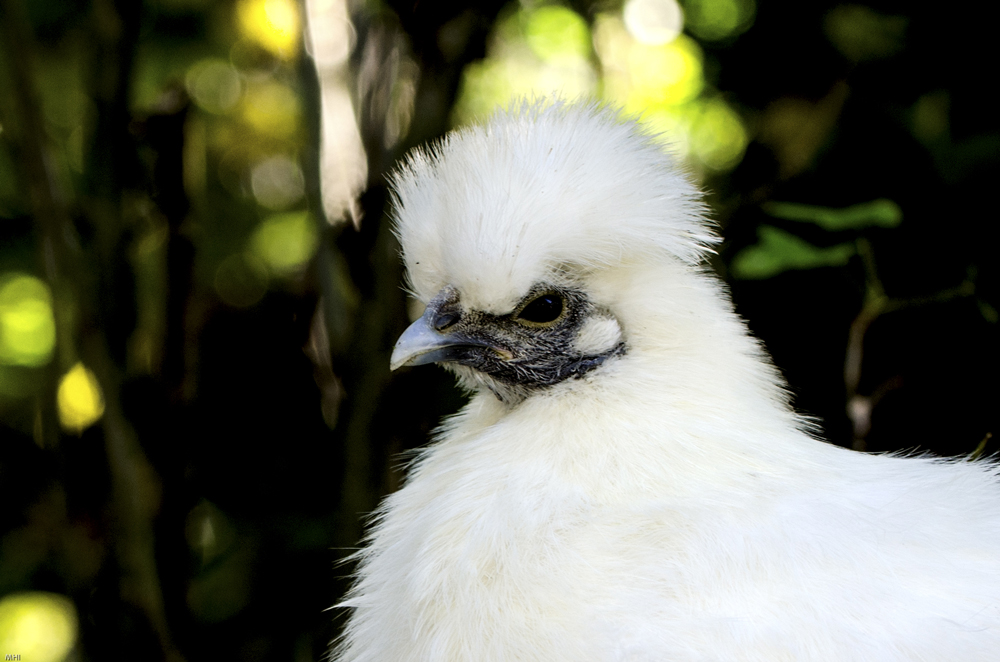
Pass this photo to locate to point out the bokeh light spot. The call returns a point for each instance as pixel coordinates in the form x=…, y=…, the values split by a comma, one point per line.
x=286, y=242
x=214, y=85
x=669, y=74
x=930, y=117
x=716, y=20
x=27, y=326
x=272, y=109
x=556, y=32
x=644, y=78
x=277, y=182
x=653, y=22
x=718, y=136
x=533, y=52
x=274, y=24
x=664, y=85
x=241, y=280
x=861, y=34
x=79, y=399
x=37, y=626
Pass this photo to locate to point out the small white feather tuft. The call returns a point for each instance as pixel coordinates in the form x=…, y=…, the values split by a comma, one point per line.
x=598, y=335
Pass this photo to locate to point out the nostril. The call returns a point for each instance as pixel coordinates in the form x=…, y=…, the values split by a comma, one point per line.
x=445, y=320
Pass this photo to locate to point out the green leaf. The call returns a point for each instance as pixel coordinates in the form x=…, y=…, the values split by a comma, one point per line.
x=882, y=212
x=779, y=251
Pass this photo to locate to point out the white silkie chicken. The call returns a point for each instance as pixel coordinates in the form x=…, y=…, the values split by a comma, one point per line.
x=628, y=481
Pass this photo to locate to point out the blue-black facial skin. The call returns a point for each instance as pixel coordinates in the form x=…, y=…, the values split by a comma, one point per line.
x=523, y=354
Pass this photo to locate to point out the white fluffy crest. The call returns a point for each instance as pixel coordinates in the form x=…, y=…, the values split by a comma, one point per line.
x=469, y=208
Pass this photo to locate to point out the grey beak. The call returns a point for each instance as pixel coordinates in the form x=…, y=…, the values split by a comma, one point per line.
x=421, y=343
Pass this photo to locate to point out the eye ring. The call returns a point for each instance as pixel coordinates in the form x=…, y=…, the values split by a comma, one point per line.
x=544, y=310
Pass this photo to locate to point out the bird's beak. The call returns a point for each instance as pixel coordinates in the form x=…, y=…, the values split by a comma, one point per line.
x=421, y=344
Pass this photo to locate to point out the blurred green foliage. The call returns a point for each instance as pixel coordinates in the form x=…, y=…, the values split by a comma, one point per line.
x=779, y=251
x=633, y=57
x=197, y=302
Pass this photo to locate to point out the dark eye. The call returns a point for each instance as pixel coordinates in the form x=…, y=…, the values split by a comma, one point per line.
x=546, y=308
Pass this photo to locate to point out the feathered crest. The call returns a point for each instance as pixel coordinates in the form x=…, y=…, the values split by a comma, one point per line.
x=542, y=186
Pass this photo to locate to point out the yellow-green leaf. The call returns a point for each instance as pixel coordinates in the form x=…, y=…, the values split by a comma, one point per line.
x=779, y=251
x=882, y=213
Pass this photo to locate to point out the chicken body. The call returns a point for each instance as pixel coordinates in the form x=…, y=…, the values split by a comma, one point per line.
x=628, y=482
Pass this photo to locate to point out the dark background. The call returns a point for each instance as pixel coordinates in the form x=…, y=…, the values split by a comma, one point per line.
x=245, y=434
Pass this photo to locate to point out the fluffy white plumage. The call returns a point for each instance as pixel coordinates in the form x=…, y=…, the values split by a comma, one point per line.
x=648, y=495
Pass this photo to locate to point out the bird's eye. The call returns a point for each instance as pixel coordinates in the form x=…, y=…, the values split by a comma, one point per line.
x=446, y=319
x=542, y=310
